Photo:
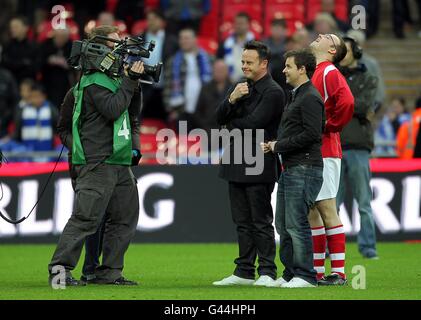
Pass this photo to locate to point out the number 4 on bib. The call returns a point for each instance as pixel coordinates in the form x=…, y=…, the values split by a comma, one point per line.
x=124, y=131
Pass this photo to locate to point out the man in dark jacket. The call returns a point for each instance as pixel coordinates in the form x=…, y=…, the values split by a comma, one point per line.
x=357, y=143
x=252, y=107
x=101, y=157
x=299, y=142
x=93, y=243
x=20, y=54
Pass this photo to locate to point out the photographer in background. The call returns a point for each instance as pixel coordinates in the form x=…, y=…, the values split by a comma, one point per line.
x=103, y=130
x=357, y=144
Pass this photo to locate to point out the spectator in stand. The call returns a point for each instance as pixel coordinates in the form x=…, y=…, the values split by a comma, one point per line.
x=58, y=77
x=9, y=98
x=231, y=49
x=373, y=67
x=184, y=14
x=20, y=54
x=211, y=96
x=328, y=6
x=384, y=136
x=299, y=40
x=400, y=113
x=277, y=43
x=402, y=16
x=25, y=91
x=106, y=19
x=324, y=24
x=190, y=69
x=166, y=46
x=36, y=121
x=8, y=9
x=406, y=139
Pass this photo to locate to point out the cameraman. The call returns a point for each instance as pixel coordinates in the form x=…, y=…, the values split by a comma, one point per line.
x=101, y=145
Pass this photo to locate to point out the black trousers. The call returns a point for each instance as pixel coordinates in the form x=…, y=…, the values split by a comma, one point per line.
x=252, y=214
x=99, y=189
x=93, y=242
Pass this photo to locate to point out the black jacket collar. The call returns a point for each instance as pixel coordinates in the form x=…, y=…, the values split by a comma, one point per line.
x=262, y=83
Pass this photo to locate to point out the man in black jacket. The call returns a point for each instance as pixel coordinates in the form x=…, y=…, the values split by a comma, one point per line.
x=20, y=54
x=299, y=142
x=357, y=143
x=253, y=107
x=101, y=158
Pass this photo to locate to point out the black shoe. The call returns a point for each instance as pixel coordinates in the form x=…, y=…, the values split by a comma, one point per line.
x=87, y=279
x=119, y=282
x=332, y=280
x=68, y=282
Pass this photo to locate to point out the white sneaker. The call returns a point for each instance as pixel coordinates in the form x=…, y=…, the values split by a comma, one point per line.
x=233, y=280
x=277, y=283
x=264, y=281
x=298, y=283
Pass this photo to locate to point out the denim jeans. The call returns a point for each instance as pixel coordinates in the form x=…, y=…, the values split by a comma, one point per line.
x=297, y=191
x=355, y=168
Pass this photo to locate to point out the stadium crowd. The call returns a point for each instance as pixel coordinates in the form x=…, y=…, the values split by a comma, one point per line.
x=200, y=43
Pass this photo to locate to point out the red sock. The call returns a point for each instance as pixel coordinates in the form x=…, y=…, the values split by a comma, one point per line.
x=319, y=250
x=336, y=245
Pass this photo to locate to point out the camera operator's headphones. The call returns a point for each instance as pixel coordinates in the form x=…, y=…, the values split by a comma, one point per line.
x=357, y=51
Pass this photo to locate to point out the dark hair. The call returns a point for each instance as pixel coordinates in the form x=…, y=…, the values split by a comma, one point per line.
x=22, y=19
x=190, y=29
x=156, y=12
x=401, y=99
x=341, y=51
x=243, y=15
x=356, y=50
x=303, y=58
x=279, y=22
x=28, y=82
x=102, y=31
x=262, y=49
x=36, y=86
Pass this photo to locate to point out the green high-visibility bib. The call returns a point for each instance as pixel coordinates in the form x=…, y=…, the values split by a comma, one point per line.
x=122, y=138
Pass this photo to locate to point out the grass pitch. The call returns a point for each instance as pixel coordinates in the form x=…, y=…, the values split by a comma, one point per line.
x=186, y=271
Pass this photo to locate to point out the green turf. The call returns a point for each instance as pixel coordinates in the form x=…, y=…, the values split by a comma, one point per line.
x=186, y=271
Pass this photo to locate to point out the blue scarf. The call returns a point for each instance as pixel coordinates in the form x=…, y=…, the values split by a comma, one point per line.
x=178, y=78
x=37, y=127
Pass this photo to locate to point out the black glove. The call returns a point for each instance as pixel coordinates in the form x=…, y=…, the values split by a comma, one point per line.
x=136, y=156
x=134, y=75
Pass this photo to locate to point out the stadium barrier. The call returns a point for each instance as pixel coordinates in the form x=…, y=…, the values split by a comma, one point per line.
x=186, y=203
